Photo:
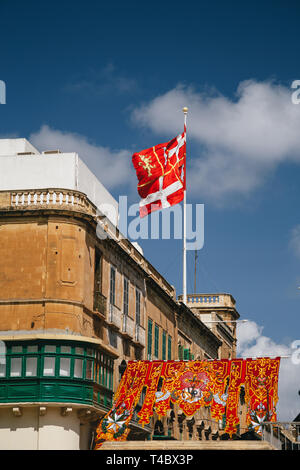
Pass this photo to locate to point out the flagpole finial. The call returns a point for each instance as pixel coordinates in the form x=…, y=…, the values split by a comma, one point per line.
x=185, y=110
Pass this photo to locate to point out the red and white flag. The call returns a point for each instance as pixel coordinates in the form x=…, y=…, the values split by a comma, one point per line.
x=161, y=174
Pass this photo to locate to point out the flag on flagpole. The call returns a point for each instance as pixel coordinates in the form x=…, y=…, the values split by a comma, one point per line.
x=161, y=174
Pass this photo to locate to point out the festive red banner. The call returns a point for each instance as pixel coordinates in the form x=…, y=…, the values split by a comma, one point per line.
x=261, y=391
x=192, y=385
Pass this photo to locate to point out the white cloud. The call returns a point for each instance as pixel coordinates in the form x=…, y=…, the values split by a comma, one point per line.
x=112, y=167
x=251, y=343
x=247, y=333
x=236, y=143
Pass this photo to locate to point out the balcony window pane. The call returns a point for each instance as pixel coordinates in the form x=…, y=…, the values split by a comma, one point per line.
x=126, y=296
x=49, y=366
x=96, y=371
x=31, y=366
x=169, y=347
x=65, y=349
x=31, y=349
x=164, y=345
x=101, y=376
x=89, y=369
x=150, y=324
x=78, y=368
x=2, y=369
x=50, y=348
x=138, y=307
x=16, y=367
x=65, y=367
x=97, y=278
x=156, y=341
x=16, y=349
x=113, y=338
x=110, y=385
x=79, y=351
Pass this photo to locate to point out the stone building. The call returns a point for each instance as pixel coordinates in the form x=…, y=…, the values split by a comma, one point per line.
x=218, y=312
x=75, y=305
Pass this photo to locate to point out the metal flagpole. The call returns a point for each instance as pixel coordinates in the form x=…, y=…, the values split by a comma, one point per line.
x=185, y=110
x=195, y=281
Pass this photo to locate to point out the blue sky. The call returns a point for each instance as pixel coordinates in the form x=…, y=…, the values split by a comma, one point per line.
x=111, y=79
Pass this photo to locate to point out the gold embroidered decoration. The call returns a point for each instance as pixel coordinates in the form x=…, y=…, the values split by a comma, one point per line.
x=145, y=163
x=151, y=383
x=192, y=385
x=261, y=385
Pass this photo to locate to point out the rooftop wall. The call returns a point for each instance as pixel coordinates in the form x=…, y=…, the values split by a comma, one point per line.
x=53, y=170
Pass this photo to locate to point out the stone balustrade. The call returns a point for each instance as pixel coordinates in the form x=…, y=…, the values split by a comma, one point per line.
x=115, y=316
x=128, y=326
x=207, y=300
x=46, y=198
x=100, y=303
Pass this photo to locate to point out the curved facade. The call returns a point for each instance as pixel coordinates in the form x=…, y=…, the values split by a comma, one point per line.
x=73, y=306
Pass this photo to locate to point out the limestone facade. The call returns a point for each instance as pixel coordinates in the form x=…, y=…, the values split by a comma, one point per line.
x=61, y=284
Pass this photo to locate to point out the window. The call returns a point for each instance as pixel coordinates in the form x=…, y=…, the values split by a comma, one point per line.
x=126, y=296
x=156, y=341
x=186, y=354
x=79, y=351
x=65, y=367
x=97, y=272
x=169, y=347
x=58, y=362
x=50, y=348
x=126, y=347
x=150, y=326
x=112, y=285
x=113, y=338
x=90, y=352
x=110, y=378
x=180, y=352
x=138, y=307
x=16, y=367
x=31, y=366
x=89, y=369
x=2, y=369
x=49, y=366
x=164, y=345
x=97, y=279
x=78, y=368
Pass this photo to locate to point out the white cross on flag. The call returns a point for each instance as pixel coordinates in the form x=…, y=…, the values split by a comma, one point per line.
x=161, y=174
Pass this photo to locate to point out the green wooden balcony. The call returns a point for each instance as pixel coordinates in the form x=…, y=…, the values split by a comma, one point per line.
x=52, y=371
